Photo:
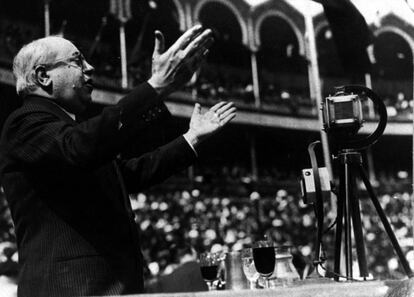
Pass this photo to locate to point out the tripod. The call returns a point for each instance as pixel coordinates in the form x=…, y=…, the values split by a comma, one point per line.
x=349, y=210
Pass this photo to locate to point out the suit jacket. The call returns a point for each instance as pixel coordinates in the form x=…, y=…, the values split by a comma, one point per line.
x=67, y=191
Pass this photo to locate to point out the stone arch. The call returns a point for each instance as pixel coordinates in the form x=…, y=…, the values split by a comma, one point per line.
x=392, y=29
x=331, y=69
x=181, y=14
x=228, y=4
x=284, y=17
x=319, y=27
x=401, y=33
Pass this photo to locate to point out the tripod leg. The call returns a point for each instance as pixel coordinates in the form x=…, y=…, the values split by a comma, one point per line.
x=347, y=215
x=385, y=223
x=359, y=240
x=338, y=234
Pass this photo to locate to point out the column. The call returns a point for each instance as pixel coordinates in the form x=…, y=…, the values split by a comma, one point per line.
x=255, y=78
x=46, y=12
x=315, y=85
x=253, y=157
x=122, y=43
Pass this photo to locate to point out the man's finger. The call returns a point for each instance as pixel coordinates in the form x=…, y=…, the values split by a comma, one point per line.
x=186, y=38
x=199, y=44
x=225, y=107
x=195, y=57
x=198, y=53
x=196, y=110
x=159, y=45
x=227, y=112
x=217, y=106
x=227, y=119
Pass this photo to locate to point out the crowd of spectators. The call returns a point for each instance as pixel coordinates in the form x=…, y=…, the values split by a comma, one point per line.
x=280, y=100
x=8, y=250
x=179, y=220
x=399, y=106
x=174, y=221
x=226, y=83
x=189, y=217
x=216, y=83
x=396, y=201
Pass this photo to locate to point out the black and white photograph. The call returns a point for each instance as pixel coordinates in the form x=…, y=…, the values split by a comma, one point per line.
x=196, y=148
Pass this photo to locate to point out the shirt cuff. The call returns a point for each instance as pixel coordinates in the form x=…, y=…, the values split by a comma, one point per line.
x=190, y=144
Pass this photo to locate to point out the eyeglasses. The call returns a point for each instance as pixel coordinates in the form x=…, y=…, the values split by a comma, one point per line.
x=76, y=60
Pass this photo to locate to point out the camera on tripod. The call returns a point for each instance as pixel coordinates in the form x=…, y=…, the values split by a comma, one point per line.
x=343, y=118
x=342, y=112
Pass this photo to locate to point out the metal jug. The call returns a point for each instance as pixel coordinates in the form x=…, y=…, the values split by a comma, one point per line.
x=235, y=278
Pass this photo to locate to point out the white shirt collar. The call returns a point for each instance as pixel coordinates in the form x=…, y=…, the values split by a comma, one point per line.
x=72, y=116
x=68, y=113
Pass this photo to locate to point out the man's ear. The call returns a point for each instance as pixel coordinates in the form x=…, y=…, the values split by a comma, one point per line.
x=42, y=78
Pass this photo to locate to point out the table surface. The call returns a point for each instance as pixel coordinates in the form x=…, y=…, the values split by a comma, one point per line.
x=306, y=288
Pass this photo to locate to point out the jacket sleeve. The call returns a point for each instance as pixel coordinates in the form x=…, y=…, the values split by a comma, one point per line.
x=39, y=136
x=154, y=167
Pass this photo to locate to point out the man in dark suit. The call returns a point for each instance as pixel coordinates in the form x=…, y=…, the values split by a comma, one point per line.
x=65, y=183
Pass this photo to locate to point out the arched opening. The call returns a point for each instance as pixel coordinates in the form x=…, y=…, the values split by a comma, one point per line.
x=227, y=73
x=282, y=70
x=393, y=73
x=100, y=40
x=68, y=20
x=330, y=65
x=19, y=26
x=148, y=16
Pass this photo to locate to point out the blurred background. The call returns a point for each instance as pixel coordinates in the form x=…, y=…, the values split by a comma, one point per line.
x=276, y=60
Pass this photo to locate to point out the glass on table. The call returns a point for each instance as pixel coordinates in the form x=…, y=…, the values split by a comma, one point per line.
x=248, y=267
x=286, y=271
x=209, y=266
x=264, y=259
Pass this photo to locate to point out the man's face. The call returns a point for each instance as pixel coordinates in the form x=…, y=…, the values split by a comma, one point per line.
x=71, y=77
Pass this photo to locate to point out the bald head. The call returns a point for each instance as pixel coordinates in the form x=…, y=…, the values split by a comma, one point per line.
x=40, y=51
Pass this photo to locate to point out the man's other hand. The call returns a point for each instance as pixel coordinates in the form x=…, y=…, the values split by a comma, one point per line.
x=204, y=125
x=172, y=68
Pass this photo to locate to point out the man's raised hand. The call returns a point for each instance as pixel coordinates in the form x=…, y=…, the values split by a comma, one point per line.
x=204, y=125
x=173, y=67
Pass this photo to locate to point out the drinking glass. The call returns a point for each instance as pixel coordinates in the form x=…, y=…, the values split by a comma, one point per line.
x=209, y=264
x=248, y=267
x=264, y=259
x=285, y=270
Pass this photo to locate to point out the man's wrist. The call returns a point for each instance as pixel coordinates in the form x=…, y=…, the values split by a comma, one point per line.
x=192, y=139
x=157, y=87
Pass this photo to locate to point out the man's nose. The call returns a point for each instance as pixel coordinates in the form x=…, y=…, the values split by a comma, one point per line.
x=88, y=68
